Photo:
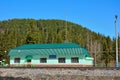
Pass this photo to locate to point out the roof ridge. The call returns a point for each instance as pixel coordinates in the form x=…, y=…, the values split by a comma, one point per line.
x=47, y=46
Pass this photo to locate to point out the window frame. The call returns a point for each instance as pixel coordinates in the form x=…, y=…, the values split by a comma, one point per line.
x=52, y=56
x=74, y=59
x=17, y=60
x=61, y=60
x=43, y=60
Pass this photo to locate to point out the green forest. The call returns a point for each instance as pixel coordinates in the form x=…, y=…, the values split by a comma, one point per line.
x=16, y=32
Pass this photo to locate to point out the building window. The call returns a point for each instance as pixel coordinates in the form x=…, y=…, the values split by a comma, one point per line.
x=43, y=60
x=61, y=60
x=16, y=60
x=74, y=60
x=52, y=56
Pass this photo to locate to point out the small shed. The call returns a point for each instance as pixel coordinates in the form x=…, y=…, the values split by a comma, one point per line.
x=50, y=55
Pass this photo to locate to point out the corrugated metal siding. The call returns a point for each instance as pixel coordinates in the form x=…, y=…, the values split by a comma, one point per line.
x=48, y=49
x=48, y=46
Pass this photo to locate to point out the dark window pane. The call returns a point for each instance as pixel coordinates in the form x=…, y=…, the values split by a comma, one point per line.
x=61, y=60
x=43, y=60
x=52, y=56
x=16, y=60
x=74, y=60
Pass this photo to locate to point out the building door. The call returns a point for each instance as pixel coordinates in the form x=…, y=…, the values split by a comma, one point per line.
x=28, y=59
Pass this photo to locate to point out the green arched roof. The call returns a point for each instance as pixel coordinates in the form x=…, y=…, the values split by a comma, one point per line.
x=48, y=46
x=62, y=48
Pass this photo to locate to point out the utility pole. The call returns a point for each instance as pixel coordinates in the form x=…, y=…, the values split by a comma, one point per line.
x=95, y=49
x=91, y=46
x=66, y=31
x=87, y=41
x=116, y=31
x=66, y=34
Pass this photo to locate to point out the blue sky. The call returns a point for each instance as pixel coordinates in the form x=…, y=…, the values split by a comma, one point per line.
x=96, y=15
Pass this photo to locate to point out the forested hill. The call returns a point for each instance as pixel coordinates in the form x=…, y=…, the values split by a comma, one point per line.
x=17, y=32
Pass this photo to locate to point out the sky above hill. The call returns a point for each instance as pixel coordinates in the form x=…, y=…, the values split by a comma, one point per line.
x=96, y=15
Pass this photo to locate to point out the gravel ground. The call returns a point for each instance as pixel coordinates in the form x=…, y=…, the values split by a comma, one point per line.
x=58, y=74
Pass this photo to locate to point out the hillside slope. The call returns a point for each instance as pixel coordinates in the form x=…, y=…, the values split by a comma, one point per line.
x=17, y=32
